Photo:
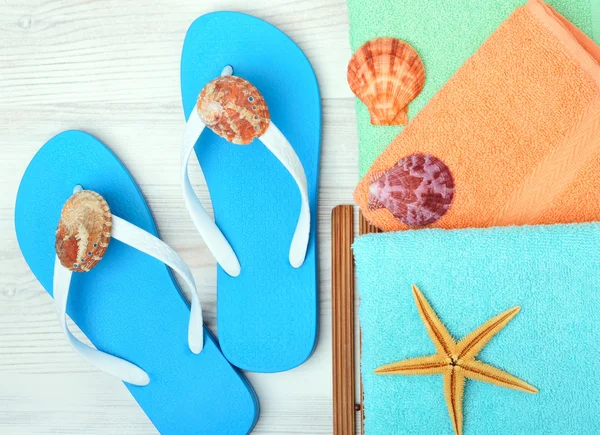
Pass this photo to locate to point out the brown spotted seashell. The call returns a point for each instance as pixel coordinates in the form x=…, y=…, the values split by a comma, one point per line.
x=418, y=190
x=234, y=109
x=83, y=231
x=386, y=74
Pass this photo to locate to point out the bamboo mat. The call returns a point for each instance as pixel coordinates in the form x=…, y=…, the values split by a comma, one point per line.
x=343, y=287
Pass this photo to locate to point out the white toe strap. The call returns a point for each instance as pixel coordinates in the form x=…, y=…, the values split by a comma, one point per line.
x=276, y=142
x=145, y=242
x=210, y=233
x=151, y=245
x=112, y=365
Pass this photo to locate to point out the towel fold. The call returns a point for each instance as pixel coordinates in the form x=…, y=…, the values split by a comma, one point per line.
x=445, y=33
x=468, y=276
x=518, y=126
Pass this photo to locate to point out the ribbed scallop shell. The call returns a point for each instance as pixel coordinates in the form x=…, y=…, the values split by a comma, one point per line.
x=234, y=109
x=386, y=74
x=83, y=231
x=418, y=190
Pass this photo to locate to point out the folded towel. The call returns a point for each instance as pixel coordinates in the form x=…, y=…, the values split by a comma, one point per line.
x=469, y=276
x=445, y=33
x=518, y=126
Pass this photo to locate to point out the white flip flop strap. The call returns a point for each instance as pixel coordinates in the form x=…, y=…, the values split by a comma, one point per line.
x=110, y=364
x=210, y=233
x=147, y=243
x=276, y=142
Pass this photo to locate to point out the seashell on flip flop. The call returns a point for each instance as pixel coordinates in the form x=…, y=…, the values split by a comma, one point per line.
x=234, y=109
x=83, y=231
x=386, y=74
x=418, y=190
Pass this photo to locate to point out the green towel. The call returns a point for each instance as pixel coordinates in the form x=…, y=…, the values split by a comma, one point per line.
x=445, y=33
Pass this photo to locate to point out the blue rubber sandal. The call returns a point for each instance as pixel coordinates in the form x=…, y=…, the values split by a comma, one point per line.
x=128, y=303
x=239, y=77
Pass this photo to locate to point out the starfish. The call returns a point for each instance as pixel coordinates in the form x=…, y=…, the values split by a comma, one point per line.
x=456, y=361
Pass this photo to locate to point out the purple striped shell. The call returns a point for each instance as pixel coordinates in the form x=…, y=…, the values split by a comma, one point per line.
x=418, y=190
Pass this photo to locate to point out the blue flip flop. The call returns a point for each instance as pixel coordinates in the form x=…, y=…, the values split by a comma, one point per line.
x=241, y=76
x=128, y=304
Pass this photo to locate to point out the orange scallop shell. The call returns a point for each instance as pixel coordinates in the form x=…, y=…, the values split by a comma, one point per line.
x=386, y=74
x=234, y=109
x=83, y=231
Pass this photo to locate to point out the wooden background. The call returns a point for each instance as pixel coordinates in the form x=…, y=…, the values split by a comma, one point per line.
x=112, y=68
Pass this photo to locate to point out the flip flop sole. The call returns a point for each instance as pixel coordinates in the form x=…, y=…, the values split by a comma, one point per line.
x=267, y=316
x=129, y=305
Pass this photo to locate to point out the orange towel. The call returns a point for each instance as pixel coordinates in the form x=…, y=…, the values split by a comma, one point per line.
x=518, y=126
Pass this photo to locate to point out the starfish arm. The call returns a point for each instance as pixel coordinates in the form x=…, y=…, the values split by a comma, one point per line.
x=424, y=365
x=442, y=340
x=454, y=387
x=472, y=344
x=486, y=373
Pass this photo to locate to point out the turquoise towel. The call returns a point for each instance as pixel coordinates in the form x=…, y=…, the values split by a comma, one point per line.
x=469, y=276
x=445, y=33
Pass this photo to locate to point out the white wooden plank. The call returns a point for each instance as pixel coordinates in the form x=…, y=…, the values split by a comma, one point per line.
x=110, y=52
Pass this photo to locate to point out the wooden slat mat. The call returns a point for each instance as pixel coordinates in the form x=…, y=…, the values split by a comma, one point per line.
x=343, y=286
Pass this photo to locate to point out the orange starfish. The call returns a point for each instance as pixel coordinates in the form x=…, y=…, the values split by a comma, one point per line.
x=456, y=361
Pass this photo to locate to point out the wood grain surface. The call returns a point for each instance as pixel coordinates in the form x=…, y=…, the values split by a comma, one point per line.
x=342, y=317
x=112, y=68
